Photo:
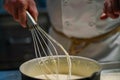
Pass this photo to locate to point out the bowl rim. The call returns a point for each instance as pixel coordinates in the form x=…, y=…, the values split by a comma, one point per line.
x=34, y=59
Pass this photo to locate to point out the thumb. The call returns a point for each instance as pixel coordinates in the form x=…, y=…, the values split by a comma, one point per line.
x=34, y=12
x=103, y=16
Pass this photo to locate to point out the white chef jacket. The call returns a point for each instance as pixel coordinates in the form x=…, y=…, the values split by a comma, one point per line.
x=80, y=19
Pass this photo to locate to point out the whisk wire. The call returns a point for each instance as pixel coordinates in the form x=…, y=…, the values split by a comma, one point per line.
x=49, y=50
x=39, y=39
x=37, y=51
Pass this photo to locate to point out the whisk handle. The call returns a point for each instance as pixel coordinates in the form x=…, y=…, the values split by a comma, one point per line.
x=30, y=20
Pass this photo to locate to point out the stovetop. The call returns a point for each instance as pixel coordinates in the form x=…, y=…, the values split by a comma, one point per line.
x=10, y=75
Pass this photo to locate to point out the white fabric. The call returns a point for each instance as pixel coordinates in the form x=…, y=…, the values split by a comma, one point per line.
x=106, y=50
x=79, y=18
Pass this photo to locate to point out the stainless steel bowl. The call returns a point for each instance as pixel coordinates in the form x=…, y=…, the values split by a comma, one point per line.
x=81, y=66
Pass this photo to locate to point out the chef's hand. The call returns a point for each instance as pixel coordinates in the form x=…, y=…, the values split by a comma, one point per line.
x=111, y=9
x=17, y=8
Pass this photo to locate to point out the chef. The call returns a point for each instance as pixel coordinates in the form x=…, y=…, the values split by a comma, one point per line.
x=76, y=24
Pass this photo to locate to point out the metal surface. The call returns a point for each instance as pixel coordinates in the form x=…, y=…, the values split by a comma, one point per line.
x=30, y=21
x=110, y=74
x=80, y=66
x=110, y=65
x=110, y=70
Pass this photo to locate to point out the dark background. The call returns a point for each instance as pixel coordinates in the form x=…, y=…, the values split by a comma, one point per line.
x=16, y=44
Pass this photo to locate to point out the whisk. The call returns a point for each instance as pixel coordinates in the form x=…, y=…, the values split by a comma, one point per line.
x=45, y=44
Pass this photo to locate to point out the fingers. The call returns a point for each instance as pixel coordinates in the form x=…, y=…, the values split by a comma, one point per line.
x=103, y=16
x=33, y=10
x=17, y=8
x=22, y=17
x=111, y=9
x=11, y=9
x=22, y=7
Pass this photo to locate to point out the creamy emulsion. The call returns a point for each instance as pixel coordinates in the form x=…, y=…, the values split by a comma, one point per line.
x=57, y=77
x=50, y=39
